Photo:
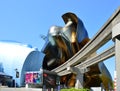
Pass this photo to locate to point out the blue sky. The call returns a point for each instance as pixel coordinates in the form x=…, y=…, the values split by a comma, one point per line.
x=25, y=20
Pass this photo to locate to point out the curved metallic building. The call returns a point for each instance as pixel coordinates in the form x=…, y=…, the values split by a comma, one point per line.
x=14, y=55
x=62, y=43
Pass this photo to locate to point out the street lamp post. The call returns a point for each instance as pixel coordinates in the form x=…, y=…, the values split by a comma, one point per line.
x=16, y=75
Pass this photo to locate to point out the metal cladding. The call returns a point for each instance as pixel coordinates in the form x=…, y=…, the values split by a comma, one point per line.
x=63, y=42
x=21, y=57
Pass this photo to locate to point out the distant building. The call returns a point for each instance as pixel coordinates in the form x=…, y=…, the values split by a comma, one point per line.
x=18, y=57
x=1, y=67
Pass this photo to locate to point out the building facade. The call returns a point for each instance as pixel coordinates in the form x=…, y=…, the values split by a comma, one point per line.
x=19, y=58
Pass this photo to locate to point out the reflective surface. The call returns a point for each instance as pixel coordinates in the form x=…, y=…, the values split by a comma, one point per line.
x=21, y=57
x=62, y=43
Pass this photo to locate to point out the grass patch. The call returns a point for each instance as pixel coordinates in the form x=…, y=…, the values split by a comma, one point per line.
x=73, y=89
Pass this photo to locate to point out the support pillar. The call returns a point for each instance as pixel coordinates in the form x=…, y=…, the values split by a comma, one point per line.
x=79, y=77
x=79, y=80
x=116, y=39
x=117, y=58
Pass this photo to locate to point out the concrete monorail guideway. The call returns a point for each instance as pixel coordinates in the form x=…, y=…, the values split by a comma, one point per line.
x=81, y=60
x=96, y=59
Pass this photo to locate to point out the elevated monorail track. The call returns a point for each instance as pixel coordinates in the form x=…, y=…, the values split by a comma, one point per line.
x=96, y=59
x=80, y=59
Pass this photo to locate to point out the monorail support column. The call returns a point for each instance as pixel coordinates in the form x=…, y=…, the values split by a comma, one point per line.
x=79, y=80
x=79, y=76
x=116, y=39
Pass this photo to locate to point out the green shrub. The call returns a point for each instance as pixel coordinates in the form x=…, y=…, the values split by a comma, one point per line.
x=73, y=89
